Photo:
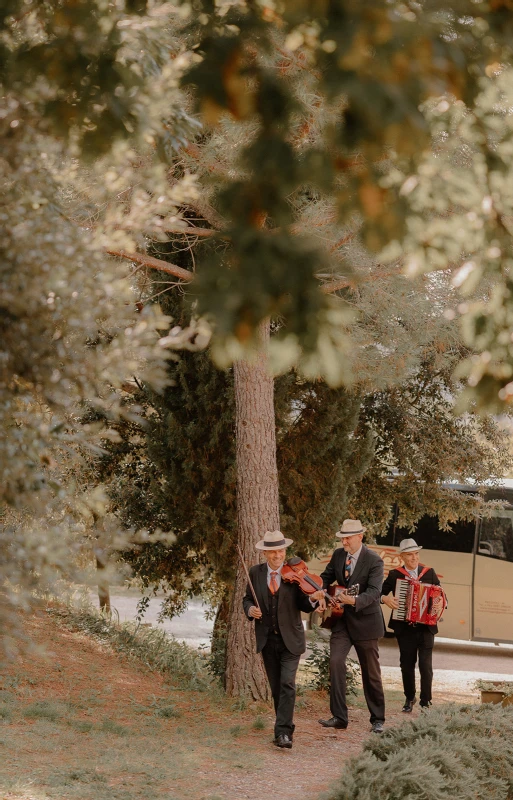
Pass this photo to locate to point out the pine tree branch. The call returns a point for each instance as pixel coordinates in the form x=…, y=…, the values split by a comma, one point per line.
x=155, y=263
x=187, y=275
x=344, y=283
x=191, y=231
x=207, y=212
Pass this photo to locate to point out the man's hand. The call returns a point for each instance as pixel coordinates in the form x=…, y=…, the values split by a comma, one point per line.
x=346, y=599
x=255, y=612
x=321, y=598
x=390, y=601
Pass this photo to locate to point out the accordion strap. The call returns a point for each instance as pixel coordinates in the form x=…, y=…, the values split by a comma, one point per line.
x=407, y=574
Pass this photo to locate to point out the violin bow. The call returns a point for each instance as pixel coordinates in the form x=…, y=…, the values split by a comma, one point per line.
x=249, y=579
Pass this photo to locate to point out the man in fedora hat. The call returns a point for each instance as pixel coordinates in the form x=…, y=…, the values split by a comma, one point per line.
x=361, y=624
x=279, y=632
x=414, y=640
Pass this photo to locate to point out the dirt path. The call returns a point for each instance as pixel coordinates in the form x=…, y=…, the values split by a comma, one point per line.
x=81, y=723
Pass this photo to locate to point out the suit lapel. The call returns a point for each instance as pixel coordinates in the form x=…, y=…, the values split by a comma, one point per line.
x=262, y=584
x=359, y=567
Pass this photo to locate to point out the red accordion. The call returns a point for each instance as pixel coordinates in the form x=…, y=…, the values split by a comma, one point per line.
x=419, y=602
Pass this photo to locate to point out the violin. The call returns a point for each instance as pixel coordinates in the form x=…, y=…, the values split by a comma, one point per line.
x=296, y=571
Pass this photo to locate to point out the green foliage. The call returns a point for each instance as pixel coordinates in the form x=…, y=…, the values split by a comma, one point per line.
x=505, y=687
x=216, y=659
x=328, y=103
x=459, y=204
x=72, y=78
x=318, y=663
x=457, y=751
x=419, y=443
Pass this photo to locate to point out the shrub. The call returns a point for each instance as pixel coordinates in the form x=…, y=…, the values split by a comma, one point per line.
x=216, y=659
x=168, y=712
x=463, y=752
x=150, y=646
x=318, y=663
x=109, y=726
x=43, y=709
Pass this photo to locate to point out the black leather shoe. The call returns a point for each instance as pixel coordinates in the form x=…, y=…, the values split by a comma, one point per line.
x=408, y=706
x=378, y=727
x=333, y=722
x=283, y=741
x=425, y=705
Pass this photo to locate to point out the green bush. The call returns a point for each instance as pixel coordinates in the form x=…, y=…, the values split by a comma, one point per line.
x=109, y=726
x=457, y=752
x=318, y=663
x=216, y=660
x=43, y=709
x=150, y=646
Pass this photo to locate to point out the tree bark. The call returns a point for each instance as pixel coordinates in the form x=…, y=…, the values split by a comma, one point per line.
x=257, y=509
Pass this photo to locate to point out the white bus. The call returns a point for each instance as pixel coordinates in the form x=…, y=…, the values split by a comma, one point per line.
x=474, y=561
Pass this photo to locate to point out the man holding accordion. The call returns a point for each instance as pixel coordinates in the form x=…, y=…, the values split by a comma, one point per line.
x=415, y=638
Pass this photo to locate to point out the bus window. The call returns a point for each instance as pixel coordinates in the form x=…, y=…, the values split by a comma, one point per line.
x=496, y=536
x=458, y=539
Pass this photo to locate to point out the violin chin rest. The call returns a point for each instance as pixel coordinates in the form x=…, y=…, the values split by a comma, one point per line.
x=293, y=561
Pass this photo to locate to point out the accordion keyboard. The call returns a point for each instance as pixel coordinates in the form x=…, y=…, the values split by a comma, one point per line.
x=401, y=594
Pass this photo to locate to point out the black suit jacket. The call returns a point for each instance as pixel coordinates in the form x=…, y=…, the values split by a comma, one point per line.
x=291, y=601
x=364, y=620
x=399, y=625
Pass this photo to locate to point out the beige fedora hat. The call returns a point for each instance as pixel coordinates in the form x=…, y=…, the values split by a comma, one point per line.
x=273, y=540
x=409, y=546
x=350, y=527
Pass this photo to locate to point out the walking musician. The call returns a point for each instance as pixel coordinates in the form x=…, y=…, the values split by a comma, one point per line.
x=360, y=625
x=280, y=635
x=414, y=639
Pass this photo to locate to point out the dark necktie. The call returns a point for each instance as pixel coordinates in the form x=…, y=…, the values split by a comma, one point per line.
x=273, y=586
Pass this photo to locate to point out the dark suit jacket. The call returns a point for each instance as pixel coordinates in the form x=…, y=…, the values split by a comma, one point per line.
x=291, y=601
x=398, y=625
x=364, y=620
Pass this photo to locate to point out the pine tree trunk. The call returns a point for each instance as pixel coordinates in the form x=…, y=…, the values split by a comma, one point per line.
x=257, y=510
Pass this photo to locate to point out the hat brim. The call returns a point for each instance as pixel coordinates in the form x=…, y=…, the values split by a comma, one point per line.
x=413, y=550
x=342, y=535
x=261, y=545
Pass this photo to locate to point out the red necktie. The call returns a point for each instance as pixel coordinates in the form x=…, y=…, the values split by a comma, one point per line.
x=274, y=583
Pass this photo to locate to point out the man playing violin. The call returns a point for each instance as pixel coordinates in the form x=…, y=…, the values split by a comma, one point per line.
x=360, y=625
x=280, y=635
